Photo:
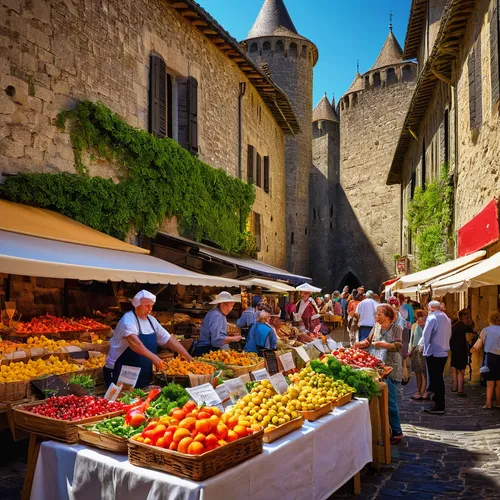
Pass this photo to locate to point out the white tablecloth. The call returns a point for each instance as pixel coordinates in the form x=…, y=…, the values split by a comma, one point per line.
x=310, y=463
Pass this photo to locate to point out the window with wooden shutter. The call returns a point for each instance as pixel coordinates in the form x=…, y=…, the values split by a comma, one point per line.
x=183, y=112
x=471, y=69
x=259, y=170
x=266, y=174
x=250, y=164
x=494, y=54
x=157, y=96
x=193, y=114
x=479, y=85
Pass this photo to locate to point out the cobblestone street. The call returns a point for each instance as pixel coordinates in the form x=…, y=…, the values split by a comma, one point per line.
x=456, y=455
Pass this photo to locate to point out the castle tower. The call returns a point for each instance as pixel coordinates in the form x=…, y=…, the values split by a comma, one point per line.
x=322, y=193
x=372, y=112
x=274, y=41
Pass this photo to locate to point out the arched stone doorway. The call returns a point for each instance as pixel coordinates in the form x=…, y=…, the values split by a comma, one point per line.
x=350, y=280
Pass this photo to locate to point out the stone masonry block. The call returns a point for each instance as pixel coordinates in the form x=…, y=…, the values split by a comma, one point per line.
x=41, y=11
x=34, y=154
x=11, y=148
x=12, y=4
x=20, y=134
x=37, y=37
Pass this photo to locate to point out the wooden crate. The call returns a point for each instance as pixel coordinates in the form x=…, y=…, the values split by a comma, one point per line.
x=243, y=370
x=313, y=415
x=13, y=391
x=342, y=401
x=271, y=435
x=53, y=428
x=195, y=467
x=104, y=441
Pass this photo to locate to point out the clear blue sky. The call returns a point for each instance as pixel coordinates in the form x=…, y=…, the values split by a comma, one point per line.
x=343, y=31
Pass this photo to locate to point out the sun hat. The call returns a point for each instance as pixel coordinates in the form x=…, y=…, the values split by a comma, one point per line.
x=306, y=287
x=143, y=294
x=225, y=297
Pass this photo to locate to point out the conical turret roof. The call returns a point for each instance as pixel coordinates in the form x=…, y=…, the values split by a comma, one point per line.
x=391, y=53
x=324, y=111
x=273, y=20
x=357, y=84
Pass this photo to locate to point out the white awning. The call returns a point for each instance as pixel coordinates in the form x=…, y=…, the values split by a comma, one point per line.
x=409, y=292
x=426, y=275
x=484, y=273
x=274, y=286
x=34, y=256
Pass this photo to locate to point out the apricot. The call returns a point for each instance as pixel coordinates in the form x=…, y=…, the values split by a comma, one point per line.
x=214, y=421
x=200, y=437
x=173, y=445
x=211, y=441
x=231, y=436
x=216, y=411
x=181, y=434
x=203, y=414
x=178, y=414
x=188, y=423
x=189, y=406
x=161, y=443
x=184, y=444
x=232, y=422
x=221, y=431
x=240, y=430
x=195, y=448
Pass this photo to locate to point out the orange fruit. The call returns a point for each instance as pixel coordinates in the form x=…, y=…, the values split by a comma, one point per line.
x=178, y=414
x=195, y=448
x=189, y=406
x=147, y=441
x=216, y=411
x=161, y=443
x=214, y=421
x=200, y=437
x=203, y=426
x=203, y=414
x=232, y=422
x=231, y=436
x=184, y=444
x=173, y=445
x=240, y=430
x=225, y=417
x=181, y=434
x=221, y=431
x=211, y=441
x=209, y=410
x=188, y=423
x=168, y=437
x=222, y=442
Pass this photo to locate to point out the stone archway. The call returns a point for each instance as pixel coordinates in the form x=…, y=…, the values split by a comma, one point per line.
x=351, y=280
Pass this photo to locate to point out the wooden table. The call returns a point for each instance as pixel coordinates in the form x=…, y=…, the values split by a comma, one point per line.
x=381, y=434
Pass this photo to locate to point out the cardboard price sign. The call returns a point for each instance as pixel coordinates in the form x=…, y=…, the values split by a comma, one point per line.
x=271, y=362
x=279, y=383
x=259, y=375
x=237, y=389
x=302, y=353
x=287, y=361
x=205, y=395
x=128, y=375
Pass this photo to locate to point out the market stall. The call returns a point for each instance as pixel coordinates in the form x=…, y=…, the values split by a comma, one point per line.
x=312, y=463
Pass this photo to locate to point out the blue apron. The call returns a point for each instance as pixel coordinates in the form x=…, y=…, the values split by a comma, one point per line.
x=131, y=358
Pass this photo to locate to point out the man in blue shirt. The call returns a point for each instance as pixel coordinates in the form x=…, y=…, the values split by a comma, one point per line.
x=249, y=315
x=435, y=342
x=213, y=330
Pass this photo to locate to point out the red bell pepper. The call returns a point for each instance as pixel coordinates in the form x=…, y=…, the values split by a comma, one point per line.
x=135, y=416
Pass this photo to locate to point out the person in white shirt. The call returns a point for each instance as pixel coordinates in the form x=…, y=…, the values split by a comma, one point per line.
x=135, y=342
x=366, y=310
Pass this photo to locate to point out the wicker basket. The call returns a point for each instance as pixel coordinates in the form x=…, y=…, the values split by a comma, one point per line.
x=13, y=391
x=342, y=401
x=243, y=370
x=313, y=415
x=271, y=435
x=109, y=442
x=52, y=427
x=195, y=467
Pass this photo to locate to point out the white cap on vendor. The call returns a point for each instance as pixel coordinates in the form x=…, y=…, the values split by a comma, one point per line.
x=306, y=287
x=226, y=297
x=143, y=294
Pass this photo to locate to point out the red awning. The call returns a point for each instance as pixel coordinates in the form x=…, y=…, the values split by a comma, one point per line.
x=480, y=231
x=390, y=282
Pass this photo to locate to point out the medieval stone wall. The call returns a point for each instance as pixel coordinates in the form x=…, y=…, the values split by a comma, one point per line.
x=323, y=184
x=368, y=210
x=54, y=53
x=290, y=61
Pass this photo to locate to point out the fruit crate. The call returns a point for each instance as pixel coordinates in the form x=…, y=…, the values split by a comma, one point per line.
x=313, y=415
x=102, y=440
x=195, y=467
x=13, y=391
x=53, y=428
x=243, y=370
x=271, y=435
x=342, y=401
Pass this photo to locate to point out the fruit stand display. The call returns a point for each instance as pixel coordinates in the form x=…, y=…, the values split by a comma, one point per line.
x=238, y=363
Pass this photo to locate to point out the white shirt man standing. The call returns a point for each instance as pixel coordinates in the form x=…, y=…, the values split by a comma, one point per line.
x=366, y=310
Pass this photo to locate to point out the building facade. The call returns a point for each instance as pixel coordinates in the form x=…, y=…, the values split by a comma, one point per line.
x=55, y=54
x=275, y=45
x=453, y=120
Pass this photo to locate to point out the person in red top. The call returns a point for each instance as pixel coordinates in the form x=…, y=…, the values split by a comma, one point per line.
x=308, y=311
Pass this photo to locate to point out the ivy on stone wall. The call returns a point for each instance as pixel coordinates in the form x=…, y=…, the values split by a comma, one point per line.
x=158, y=178
x=430, y=220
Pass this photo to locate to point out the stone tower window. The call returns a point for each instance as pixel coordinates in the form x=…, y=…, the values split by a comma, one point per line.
x=292, y=50
x=407, y=73
x=266, y=47
x=254, y=48
x=354, y=99
x=331, y=210
x=280, y=47
x=314, y=214
x=376, y=79
x=342, y=105
x=391, y=77
x=304, y=51
x=346, y=102
x=367, y=81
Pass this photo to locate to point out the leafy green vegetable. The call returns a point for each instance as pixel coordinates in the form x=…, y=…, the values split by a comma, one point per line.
x=85, y=381
x=174, y=392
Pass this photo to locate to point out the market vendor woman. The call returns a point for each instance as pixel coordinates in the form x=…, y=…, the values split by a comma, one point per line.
x=135, y=342
x=213, y=330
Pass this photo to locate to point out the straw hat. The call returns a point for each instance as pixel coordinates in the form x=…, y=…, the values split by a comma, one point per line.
x=225, y=297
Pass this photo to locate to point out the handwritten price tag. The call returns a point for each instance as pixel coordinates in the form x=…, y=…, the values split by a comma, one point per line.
x=279, y=383
x=205, y=394
x=112, y=392
x=260, y=375
x=128, y=375
x=287, y=361
x=302, y=353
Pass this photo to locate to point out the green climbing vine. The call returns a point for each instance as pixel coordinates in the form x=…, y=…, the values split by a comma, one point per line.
x=430, y=220
x=158, y=178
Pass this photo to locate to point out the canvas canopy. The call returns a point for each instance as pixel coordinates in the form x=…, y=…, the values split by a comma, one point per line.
x=274, y=286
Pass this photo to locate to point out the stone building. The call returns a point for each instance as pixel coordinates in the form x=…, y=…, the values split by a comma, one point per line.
x=324, y=179
x=274, y=44
x=453, y=119
x=364, y=212
x=54, y=54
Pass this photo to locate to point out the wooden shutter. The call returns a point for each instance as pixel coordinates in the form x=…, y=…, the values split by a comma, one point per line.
x=471, y=68
x=183, y=113
x=193, y=114
x=250, y=163
x=259, y=170
x=479, y=84
x=494, y=55
x=157, y=96
x=266, y=174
